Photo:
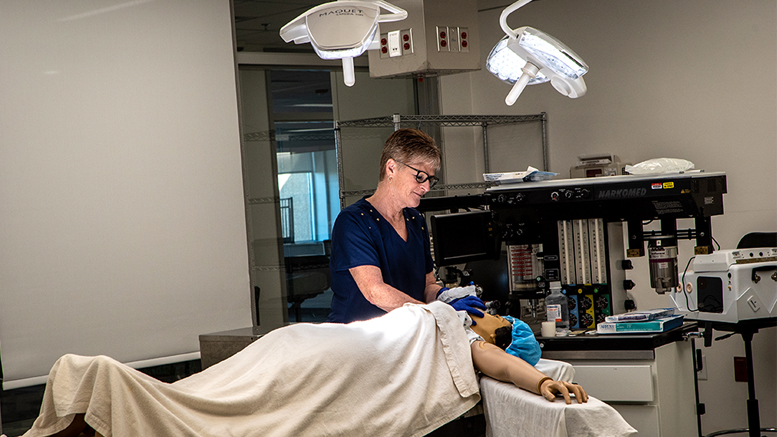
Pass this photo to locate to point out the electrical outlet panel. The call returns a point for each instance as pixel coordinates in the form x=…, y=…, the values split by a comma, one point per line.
x=384, y=46
x=406, y=39
x=463, y=39
x=453, y=39
x=443, y=43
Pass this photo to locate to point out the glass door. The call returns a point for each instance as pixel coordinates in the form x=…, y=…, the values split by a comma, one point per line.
x=291, y=179
x=303, y=123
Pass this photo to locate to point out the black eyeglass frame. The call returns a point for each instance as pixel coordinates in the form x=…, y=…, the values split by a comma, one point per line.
x=420, y=178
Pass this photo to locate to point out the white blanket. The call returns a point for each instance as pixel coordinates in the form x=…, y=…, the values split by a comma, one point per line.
x=511, y=411
x=406, y=373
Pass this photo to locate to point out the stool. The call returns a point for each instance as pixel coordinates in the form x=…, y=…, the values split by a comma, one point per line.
x=746, y=329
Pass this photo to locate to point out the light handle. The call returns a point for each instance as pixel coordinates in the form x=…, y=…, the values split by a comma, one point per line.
x=529, y=72
x=348, y=75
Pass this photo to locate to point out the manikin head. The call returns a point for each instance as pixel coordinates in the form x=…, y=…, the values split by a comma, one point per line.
x=494, y=329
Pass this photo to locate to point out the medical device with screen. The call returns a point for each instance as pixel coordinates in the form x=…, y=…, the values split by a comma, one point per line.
x=575, y=231
x=463, y=237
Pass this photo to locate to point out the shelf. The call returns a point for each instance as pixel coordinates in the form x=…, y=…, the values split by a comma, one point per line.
x=398, y=121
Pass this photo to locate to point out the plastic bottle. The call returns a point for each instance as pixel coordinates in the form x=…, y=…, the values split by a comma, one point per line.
x=557, y=307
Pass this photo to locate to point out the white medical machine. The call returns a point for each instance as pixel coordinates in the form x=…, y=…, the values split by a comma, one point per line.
x=729, y=286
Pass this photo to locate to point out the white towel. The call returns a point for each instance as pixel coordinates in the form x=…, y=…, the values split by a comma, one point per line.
x=405, y=373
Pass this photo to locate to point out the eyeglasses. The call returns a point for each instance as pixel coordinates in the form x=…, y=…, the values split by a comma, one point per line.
x=422, y=176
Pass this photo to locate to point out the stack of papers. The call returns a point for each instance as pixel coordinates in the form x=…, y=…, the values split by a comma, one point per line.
x=657, y=320
x=530, y=175
x=641, y=316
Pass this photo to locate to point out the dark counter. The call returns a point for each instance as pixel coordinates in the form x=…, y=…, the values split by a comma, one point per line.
x=611, y=346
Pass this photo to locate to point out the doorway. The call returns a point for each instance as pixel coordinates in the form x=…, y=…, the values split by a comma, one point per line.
x=291, y=177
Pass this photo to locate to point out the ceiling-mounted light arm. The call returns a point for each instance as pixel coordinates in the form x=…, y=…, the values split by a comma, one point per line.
x=529, y=70
x=527, y=56
x=509, y=10
x=397, y=13
x=341, y=29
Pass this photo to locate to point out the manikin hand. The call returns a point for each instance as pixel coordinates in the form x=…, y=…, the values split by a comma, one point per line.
x=550, y=388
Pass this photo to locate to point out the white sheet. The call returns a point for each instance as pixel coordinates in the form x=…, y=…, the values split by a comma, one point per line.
x=406, y=373
x=510, y=411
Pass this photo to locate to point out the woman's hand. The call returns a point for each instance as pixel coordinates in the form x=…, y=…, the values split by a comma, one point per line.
x=550, y=388
x=470, y=304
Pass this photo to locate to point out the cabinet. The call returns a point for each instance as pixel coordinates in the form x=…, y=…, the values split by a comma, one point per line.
x=649, y=379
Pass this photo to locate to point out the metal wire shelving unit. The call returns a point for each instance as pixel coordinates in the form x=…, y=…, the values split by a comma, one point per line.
x=417, y=121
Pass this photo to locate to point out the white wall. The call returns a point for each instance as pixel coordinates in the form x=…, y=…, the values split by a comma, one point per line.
x=122, y=222
x=692, y=79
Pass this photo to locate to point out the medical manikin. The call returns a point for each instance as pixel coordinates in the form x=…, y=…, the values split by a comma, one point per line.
x=491, y=336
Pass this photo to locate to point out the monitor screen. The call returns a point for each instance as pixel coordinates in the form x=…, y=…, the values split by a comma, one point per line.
x=463, y=237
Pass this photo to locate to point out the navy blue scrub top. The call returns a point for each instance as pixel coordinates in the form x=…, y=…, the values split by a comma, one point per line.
x=361, y=236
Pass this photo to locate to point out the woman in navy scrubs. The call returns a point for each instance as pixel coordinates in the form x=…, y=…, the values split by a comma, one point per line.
x=380, y=244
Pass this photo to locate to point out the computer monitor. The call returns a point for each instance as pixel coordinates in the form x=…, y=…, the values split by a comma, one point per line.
x=463, y=237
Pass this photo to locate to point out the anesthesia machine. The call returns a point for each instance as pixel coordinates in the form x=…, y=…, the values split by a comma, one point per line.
x=572, y=231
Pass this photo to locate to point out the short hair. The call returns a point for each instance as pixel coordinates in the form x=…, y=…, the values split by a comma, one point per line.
x=407, y=145
x=503, y=336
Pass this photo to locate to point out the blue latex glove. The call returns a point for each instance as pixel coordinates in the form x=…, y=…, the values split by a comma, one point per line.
x=469, y=304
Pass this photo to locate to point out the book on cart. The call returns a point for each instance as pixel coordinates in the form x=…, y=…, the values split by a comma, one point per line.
x=640, y=316
x=660, y=324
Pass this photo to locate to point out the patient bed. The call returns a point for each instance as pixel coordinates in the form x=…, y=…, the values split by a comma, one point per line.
x=406, y=373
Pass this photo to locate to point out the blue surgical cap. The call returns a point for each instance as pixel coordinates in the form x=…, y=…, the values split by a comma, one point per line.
x=524, y=345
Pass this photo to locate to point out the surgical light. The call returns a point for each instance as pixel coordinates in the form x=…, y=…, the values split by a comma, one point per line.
x=527, y=56
x=341, y=29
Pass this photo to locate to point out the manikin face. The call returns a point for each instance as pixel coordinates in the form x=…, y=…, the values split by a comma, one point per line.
x=487, y=325
x=406, y=180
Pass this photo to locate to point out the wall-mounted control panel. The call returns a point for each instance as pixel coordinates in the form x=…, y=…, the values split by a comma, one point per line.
x=452, y=39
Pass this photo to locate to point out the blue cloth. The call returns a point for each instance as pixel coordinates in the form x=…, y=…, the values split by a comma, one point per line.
x=361, y=236
x=524, y=346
